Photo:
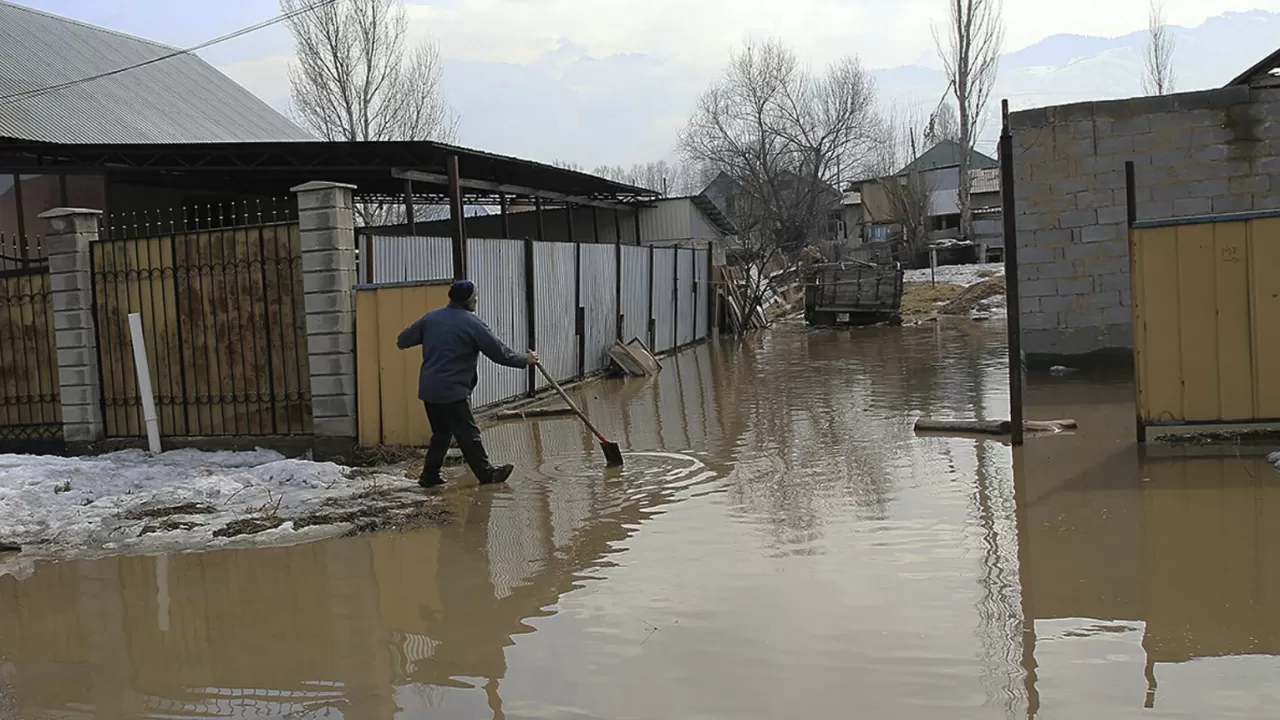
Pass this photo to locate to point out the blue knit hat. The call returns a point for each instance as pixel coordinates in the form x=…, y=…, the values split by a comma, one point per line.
x=462, y=291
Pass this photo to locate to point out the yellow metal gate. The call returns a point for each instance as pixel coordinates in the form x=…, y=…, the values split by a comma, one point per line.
x=1206, y=314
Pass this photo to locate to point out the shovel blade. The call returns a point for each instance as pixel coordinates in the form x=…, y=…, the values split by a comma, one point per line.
x=612, y=453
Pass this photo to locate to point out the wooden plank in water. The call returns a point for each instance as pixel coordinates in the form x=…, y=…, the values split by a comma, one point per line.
x=990, y=427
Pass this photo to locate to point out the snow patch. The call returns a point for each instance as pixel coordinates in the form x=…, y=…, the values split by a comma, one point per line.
x=1274, y=459
x=956, y=274
x=132, y=501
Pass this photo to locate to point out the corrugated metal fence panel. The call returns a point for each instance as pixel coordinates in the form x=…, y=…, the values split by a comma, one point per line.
x=687, y=305
x=635, y=293
x=497, y=268
x=405, y=259
x=553, y=271
x=703, y=324
x=663, y=301
x=601, y=327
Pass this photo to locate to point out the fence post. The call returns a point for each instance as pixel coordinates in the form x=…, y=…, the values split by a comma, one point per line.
x=457, y=220
x=1014, y=321
x=650, y=325
x=617, y=273
x=69, y=233
x=713, y=317
x=579, y=312
x=675, y=296
x=530, y=316
x=326, y=222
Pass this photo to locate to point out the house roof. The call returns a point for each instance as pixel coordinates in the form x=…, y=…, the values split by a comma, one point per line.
x=947, y=154
x=1267, y=66
x=271, y=168
x=985, y=180
x=176, y=100
x=714, y=214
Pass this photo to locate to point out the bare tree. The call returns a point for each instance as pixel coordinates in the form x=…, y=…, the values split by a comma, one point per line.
x=971, y=58
x=782, y=135
x=943, y=125
x=671, y=179
x=1159, y=78
x=567, y=165
x=357, y=77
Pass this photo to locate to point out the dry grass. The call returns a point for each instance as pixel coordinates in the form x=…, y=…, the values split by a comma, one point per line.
x=964, y=303
x=924, y=298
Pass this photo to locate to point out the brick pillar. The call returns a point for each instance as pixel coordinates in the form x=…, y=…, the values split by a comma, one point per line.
x=326, y=222
x=69, y=232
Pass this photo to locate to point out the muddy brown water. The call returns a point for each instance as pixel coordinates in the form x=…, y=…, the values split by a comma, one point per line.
x=783, y=546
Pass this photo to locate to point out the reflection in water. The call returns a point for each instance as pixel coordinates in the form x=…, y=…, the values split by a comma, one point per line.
x=1160, y=564
x=780, y=544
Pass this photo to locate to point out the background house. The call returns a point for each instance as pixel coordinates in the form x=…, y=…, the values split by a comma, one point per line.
x=873, y=227
x=180, y=100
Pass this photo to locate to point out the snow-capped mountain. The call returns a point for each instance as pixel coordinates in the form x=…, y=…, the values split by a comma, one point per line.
x=1074, y=68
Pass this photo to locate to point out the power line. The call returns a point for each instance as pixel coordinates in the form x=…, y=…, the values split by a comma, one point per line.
x=38, y=92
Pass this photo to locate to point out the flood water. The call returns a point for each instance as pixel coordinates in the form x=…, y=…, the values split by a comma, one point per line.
x=780, y=545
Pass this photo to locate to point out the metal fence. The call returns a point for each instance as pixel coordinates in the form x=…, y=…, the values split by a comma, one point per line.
x=663, y=318
x=497, y=266
x=597, y=298
x=686, y=295
x=636, y=282
x=584, y=297
x=404, y=259
x=555, y=298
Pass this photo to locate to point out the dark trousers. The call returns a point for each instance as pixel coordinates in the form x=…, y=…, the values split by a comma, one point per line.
x=449, y=421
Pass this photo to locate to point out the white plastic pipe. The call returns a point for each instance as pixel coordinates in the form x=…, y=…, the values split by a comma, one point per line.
x=144, y=382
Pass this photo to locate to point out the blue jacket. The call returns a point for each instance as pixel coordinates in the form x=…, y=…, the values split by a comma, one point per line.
x=452, y=339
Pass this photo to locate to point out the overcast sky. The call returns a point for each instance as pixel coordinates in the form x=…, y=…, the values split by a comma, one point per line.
x=611, y=81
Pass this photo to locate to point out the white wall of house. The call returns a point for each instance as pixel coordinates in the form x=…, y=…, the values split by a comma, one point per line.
x=675, y=219
x=944, y=186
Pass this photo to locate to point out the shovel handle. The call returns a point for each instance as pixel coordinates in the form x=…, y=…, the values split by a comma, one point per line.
x=570, y=403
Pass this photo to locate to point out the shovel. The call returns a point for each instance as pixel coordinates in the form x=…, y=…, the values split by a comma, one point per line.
x=612, y=453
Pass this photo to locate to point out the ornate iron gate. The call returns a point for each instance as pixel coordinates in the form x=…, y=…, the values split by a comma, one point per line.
x=222, y=312
x=30, y=409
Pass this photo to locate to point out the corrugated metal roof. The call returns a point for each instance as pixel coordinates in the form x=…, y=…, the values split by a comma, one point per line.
x=178, y=100
x=985, y=180
x=947, y=153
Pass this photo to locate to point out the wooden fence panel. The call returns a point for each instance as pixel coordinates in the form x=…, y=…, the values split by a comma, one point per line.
x=387, y=377
x=1206, y=309
x=30, y=408
x=221, y=312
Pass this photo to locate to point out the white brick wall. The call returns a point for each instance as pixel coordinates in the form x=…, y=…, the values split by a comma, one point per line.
x=1216, y=151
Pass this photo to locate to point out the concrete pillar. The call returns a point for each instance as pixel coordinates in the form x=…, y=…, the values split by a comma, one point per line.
x=326, y=222
x=69, y=231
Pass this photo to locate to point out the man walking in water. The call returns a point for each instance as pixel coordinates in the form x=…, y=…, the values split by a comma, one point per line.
x=452, y=339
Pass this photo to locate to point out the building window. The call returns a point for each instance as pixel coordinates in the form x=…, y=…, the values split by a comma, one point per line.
x=944, y=222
